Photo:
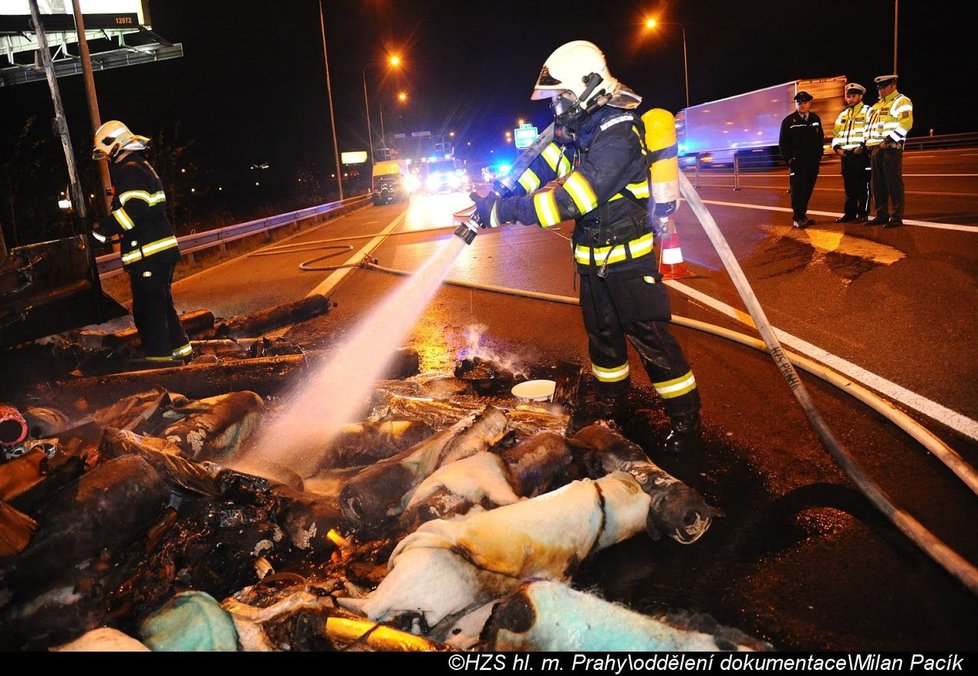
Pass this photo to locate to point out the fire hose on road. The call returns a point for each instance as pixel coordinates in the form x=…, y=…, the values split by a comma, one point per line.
x=666, y=184
x=913, y=529
x=944, y=556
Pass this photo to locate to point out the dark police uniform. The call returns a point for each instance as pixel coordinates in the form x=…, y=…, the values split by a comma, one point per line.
x=801, y=142
x=149, y=253
x=604, y=187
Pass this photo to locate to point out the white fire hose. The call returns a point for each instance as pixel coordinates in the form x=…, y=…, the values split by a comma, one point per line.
x=913, y=529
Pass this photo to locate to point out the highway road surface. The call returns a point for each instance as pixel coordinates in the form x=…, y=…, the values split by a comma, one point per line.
x=802, y=558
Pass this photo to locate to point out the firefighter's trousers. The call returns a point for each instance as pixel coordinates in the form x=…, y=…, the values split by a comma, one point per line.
x=157, y=322
x=630, y=301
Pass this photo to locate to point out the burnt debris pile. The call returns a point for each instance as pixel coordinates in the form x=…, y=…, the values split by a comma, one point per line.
x=453, y=516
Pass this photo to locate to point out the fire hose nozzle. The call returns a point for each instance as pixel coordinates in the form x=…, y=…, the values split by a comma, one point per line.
x=468, y=224
x=466, y=231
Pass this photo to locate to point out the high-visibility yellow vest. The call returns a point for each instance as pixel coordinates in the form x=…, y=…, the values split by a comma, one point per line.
x=849, y=131
x=890, y=119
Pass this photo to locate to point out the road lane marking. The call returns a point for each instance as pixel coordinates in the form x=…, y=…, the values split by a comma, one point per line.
x=894, y=392
x=327, y=284
x=907, y=221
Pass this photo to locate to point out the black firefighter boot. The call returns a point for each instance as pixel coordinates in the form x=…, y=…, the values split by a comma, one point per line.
x=684, y=434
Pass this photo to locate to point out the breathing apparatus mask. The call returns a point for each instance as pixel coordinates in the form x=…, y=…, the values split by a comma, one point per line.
x=568, y=112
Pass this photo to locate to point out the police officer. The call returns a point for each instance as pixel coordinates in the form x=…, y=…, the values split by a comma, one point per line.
x=890, y=120
x=801, y=142
x=601, y=167
x=149, y=248
x=849, y=143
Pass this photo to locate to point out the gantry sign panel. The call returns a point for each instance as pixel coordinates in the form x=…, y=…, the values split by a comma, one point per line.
x=107, y=25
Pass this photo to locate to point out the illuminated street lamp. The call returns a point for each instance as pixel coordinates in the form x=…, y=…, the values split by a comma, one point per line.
x=401, y=97
x=394, y=61
x=651, y=25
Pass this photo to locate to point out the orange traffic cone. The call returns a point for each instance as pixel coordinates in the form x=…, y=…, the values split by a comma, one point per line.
x=671, y=263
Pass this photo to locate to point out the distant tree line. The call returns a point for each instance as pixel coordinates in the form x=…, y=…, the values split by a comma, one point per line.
x=34, y=176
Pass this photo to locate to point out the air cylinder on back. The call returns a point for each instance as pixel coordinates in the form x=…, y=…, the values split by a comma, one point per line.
x=660, y=139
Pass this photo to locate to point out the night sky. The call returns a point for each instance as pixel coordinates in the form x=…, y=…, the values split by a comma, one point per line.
x=252, y=87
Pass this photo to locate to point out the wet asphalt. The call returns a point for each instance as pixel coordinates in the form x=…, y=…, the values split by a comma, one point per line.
x=802, y=558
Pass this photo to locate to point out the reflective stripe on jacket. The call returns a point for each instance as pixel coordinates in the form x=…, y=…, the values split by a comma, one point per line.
x=139, y=213
x=608, y=183
x=890, y=119
x=849, y=131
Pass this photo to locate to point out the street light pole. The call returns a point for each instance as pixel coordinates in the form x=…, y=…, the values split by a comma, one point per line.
x=896, y=14
x=383, y=136
x=685, y=65
x=391, y=61
x=329, y=95
x=652, y=23
x=366, y=106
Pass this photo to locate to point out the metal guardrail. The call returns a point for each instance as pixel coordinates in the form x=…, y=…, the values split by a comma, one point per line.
x=111, y=264
x=966, y=140
x=768, y=156
x=745, y=162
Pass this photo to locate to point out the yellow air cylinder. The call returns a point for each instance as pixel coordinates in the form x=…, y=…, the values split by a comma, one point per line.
x=660, y=139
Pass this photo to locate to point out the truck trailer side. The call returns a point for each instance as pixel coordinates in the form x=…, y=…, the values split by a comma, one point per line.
x=747, y=125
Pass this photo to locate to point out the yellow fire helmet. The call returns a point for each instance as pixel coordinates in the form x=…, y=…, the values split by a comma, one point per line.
x=114, y=137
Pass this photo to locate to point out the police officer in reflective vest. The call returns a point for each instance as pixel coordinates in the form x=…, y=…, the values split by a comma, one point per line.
x=597, y=173
x=149, y=248
x=890, y=120
x=849, y=143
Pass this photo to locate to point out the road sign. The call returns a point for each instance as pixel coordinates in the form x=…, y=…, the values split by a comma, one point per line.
x=524, y=136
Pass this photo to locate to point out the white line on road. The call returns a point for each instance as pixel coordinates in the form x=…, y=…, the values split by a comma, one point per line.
x=327, y=284
x=895, y=392
x=923, y=224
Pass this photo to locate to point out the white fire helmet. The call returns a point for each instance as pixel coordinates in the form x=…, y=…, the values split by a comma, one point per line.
x=114, y=137
x=568, y=69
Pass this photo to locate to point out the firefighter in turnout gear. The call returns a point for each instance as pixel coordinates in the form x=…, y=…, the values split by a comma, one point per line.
x=890, y=120
x=596, y=172
x=149, y=248
x=849, y=143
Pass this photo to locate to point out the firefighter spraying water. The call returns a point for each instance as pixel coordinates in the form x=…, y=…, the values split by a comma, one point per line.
x=596, y=171
x=591, y=165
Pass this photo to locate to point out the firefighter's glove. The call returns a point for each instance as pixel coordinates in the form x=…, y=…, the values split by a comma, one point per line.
x=486, y=209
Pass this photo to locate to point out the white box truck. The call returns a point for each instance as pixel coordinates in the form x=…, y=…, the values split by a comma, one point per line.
x=747, y=125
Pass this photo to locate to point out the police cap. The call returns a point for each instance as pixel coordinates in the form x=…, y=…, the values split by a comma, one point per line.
x=801, y=97
x=854, y=88
x=883, y=80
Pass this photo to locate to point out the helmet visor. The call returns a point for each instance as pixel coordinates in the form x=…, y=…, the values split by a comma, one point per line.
x=563, y=102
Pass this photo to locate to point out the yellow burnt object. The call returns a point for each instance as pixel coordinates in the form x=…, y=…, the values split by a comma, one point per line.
x=376, y=636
